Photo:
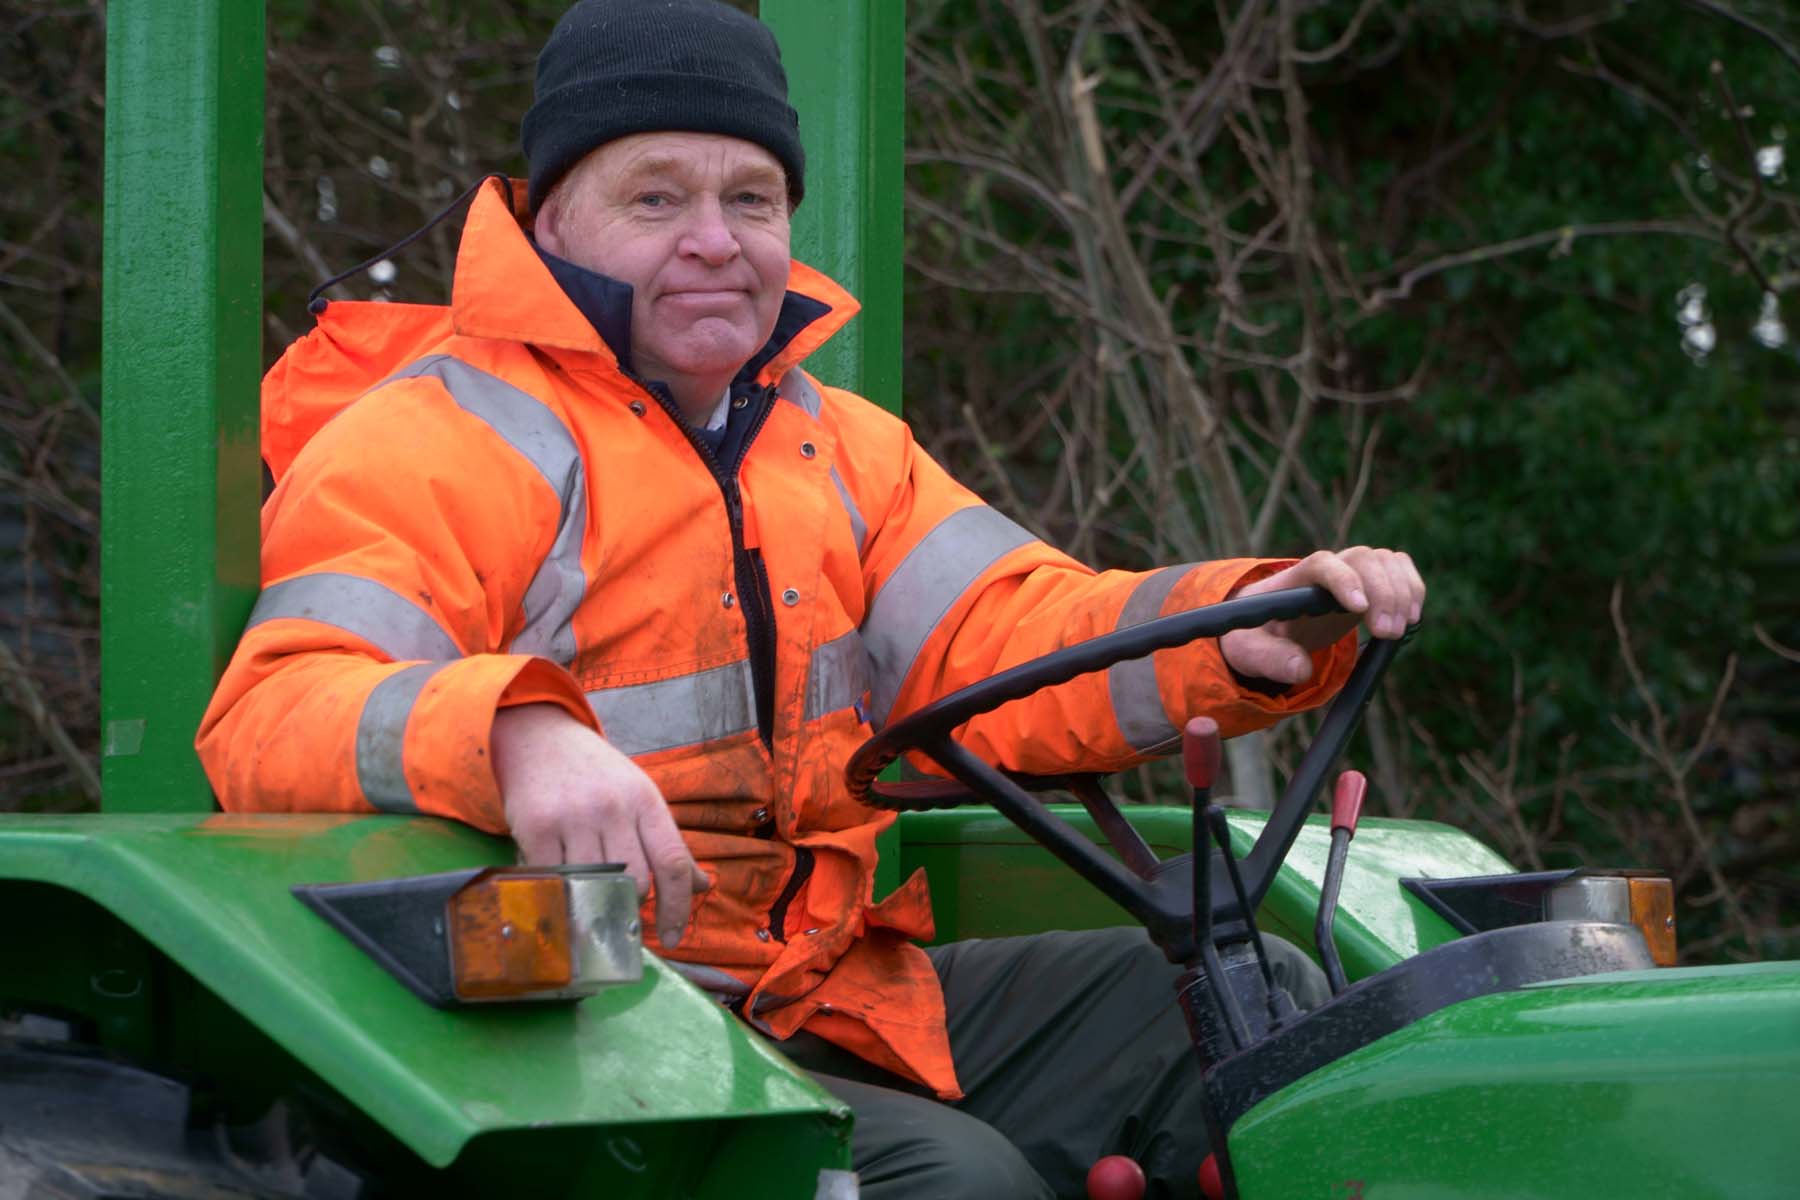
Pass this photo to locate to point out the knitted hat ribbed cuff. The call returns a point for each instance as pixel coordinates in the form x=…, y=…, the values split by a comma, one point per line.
x=622, y=105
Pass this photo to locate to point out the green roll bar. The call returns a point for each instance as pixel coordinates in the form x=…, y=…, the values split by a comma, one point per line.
x=182, y=313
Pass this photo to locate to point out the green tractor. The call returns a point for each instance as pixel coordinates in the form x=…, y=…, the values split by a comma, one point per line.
x=177, y=1019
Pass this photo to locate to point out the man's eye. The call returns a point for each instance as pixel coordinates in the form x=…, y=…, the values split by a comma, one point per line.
x=752, y=199
x=653, y=200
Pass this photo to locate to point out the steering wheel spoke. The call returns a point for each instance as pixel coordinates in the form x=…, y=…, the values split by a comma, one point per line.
x=1120, y=833
x=1140, y=898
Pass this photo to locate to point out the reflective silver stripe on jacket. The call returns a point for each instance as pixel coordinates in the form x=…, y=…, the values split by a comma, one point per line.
x=798, y=390
x=539, y=435
x=858, y=526
x=372, y=611
x=381, y=738
x=838, y=676
x=928, y=581
x=1137, y=705
x=642, y=718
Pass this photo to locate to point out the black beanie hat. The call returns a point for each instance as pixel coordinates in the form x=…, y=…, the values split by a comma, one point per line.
x=613, y=68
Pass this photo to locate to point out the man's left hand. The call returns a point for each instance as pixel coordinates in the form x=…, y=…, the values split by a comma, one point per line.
x=1380, y=588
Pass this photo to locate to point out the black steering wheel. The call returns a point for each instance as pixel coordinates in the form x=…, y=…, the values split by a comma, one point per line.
x=1157, y=893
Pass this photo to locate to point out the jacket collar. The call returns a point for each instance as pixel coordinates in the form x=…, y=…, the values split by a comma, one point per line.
x=504, y=288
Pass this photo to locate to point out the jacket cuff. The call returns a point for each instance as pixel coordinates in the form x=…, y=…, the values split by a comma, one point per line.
x=449, y=764
x=1210, y=686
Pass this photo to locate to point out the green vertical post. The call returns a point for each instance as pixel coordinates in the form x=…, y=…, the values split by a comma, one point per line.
x=846, y=69
x=183, y=314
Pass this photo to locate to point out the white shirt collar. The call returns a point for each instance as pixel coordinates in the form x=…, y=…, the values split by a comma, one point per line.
x=720, y=413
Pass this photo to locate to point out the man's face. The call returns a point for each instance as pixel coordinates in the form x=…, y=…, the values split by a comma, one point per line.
x=697, y=224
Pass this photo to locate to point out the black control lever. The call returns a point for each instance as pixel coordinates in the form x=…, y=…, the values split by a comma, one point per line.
x=1215, y=817
x=1346, y=806
x=1200, y=763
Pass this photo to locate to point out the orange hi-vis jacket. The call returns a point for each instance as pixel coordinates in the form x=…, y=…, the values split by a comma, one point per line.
x=476, y=507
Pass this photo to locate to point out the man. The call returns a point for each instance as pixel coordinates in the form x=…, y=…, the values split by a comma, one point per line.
x=588, y=559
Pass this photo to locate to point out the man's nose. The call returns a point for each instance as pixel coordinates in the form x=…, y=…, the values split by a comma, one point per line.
x=708, y=236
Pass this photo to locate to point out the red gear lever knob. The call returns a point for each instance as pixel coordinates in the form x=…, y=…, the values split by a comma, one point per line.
x=1200, y=752
x=1211, y=1186
x=1347, y=800
x=1115, y=1177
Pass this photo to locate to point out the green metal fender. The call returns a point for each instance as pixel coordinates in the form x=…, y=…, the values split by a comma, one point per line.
x=1672, y=1082
x=212, y=894
x=670, y=1077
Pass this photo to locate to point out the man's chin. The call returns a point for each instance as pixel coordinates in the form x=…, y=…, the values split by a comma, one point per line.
x=707, y=347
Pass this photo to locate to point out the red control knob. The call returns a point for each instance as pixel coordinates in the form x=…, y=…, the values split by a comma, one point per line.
x=1115, y=1177
x=1200, y=751
x=1211, y=1186
x=1347, y=800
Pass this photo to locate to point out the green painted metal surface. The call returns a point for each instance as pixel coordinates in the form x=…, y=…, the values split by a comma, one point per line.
x=846, y=73
x=73, y=961
x=988, y=879
x=1679, y=1082
x=846, y=69
x=1378, y=922
x=183, y=320
x=99, y=973
x=212, y=894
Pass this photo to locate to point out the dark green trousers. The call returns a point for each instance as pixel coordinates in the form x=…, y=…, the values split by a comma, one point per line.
x=1069, y=1047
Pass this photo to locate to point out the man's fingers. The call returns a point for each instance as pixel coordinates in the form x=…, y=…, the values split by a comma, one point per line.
x=538, y=847
x=1260, y=654
x=570, y=796
x=1401, y=591
x=622, y=847
x=1401, y=586
x=1386, y=615
x=1407, y=588
x=1337, y=576
x=582, y=845
x=675, y=873
x=1415, y=586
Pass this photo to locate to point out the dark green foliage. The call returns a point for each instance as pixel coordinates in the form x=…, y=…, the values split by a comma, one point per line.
x=1568, y=445
x=1563, y=443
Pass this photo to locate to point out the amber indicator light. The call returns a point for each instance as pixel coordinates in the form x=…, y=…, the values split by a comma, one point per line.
x=509, y=936
x=1653, y=912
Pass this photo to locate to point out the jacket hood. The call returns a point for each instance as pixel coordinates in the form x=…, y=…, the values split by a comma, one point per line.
x=502, y=290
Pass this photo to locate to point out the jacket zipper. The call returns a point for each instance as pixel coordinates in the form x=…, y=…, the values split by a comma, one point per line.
x=759, y=606
x=746, y=565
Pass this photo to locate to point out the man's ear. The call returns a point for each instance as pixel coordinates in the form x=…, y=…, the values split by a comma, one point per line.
x=546, y=226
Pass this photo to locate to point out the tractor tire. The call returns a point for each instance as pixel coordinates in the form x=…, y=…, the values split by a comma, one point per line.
x=75, y=1125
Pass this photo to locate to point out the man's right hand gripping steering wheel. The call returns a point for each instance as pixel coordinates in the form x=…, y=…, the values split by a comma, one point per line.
x=1380, y=588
